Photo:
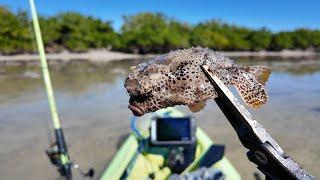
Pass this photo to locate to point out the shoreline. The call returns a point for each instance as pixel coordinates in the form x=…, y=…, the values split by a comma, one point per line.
x=101, y=55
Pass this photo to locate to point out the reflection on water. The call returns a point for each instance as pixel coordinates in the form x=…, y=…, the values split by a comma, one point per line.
x=93, y=107
x=73, y=77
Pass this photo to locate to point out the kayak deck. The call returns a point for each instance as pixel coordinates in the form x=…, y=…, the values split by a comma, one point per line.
x=131, y=163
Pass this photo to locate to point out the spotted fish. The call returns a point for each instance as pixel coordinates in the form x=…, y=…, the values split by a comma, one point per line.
x=177, y=79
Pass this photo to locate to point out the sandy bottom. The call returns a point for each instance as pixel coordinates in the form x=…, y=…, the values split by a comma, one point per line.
x=93, y=109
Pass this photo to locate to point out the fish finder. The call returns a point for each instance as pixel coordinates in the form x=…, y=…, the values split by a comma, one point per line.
x=172, y=131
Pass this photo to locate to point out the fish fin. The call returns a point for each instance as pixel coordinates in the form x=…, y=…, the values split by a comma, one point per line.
x=261, y=73
x=252, y=92
x=196, y=107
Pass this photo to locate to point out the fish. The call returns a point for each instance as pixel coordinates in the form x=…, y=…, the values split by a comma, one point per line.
x=176, y=78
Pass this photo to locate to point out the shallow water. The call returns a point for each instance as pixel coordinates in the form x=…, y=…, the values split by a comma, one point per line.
x=92, y=103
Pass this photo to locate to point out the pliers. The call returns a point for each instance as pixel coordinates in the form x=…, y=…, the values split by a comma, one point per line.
x=264, y=151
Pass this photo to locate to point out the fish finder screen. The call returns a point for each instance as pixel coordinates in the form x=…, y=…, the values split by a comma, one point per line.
x=173, y=129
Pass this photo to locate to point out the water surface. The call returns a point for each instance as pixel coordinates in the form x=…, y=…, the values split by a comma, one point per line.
x=92, y=104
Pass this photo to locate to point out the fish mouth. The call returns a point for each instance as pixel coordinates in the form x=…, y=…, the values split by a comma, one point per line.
x=136, y=110
x=136, y=103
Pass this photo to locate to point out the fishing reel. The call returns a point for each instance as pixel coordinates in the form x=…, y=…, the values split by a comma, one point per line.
x=65, y=168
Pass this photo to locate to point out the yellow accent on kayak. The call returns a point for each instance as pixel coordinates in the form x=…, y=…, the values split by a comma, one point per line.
x=149, y=164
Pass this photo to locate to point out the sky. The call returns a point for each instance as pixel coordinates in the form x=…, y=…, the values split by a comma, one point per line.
x=275, y=15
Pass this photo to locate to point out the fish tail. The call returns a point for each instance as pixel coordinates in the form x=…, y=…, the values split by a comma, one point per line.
x=252, y=92
x=261, y=73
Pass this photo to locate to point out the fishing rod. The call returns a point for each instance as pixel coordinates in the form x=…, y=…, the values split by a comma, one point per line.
x=58, y=151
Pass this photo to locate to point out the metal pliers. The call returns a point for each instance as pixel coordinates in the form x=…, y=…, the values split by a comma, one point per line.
x=264, y=151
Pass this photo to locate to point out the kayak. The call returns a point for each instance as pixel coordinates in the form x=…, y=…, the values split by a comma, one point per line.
x=134, y=161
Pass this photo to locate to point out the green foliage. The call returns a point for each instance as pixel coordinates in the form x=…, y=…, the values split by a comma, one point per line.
x=282, y=40
x=220, y=36
x=298, y=39
x=153, y=33
x=259, y=40
x=210, y=35
x=77, y=32
x=15, y=36
x=315, y=38
x=50, y=31
x=302, y=38
x=142, y=33
x=177, y=35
